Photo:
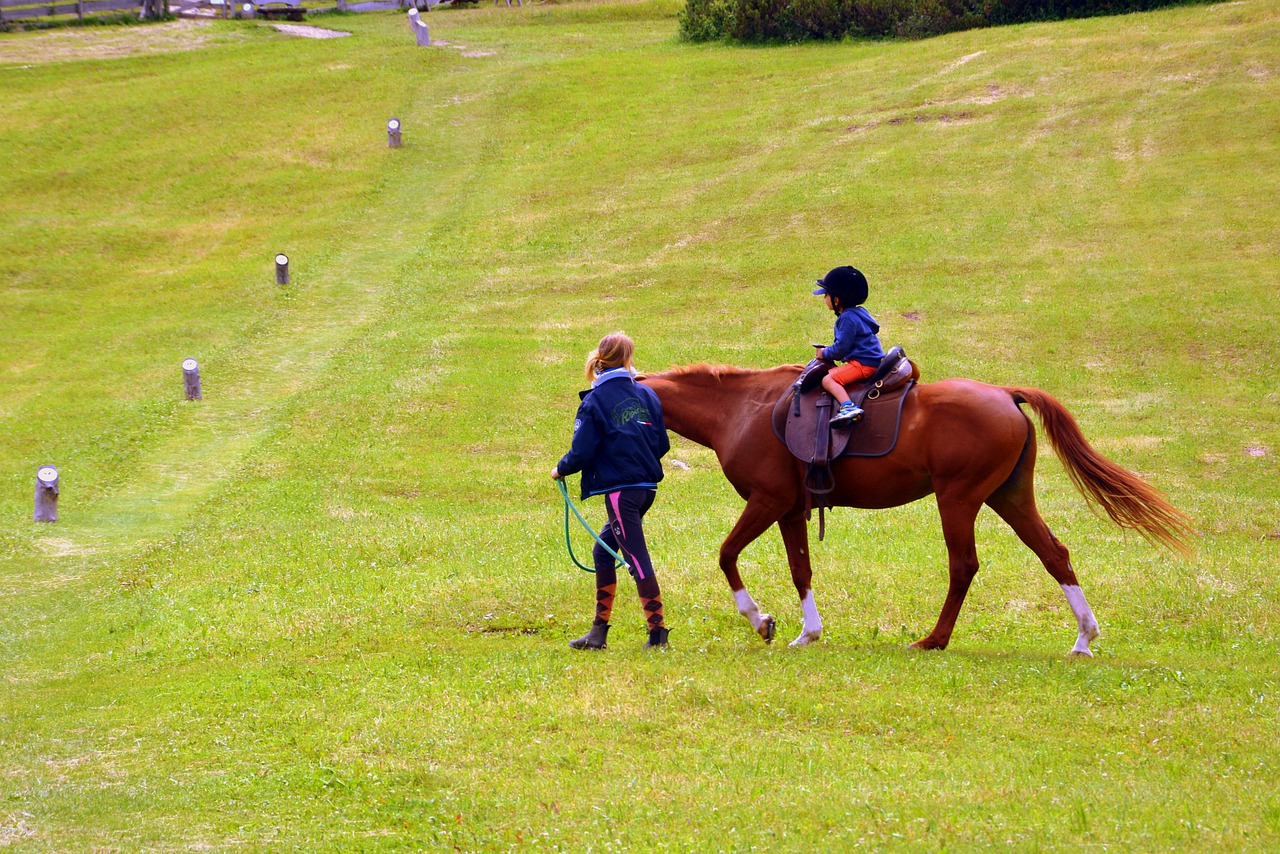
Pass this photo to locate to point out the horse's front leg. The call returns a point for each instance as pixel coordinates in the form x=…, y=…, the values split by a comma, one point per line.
x=756, y=518
x=764, y=624
x=795, y=536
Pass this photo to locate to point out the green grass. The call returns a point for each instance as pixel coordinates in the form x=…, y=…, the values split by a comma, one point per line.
x=327, y=606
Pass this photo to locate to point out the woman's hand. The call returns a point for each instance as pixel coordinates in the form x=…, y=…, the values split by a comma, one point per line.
x=555, y=473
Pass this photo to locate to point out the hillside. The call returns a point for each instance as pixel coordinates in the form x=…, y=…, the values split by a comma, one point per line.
x=327, y=606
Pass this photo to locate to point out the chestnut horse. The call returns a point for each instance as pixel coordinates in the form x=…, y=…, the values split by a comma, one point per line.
x=967, y=442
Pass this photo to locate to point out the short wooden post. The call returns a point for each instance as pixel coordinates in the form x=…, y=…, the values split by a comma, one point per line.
x=420, y=30
x=282, y=269
x=191, y=379
x=46, y=494
x=393, y=133
x=247, y=11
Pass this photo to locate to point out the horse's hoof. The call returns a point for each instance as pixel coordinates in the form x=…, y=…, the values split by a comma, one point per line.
x=805, y=639
x=768, y=628
x=1082, y=642
x=927, y=644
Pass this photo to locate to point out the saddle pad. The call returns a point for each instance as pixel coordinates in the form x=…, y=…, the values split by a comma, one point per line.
x=877, y=433
x=874, y=436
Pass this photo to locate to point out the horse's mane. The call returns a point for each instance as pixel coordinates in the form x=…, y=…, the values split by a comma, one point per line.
x=718, y=372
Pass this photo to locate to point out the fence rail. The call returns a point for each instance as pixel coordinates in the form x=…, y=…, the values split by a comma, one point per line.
x=16, y=10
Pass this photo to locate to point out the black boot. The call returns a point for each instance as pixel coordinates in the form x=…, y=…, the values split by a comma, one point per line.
x=597, y=638
x=657, y=639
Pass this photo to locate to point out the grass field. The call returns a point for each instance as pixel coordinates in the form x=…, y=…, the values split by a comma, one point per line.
x=327, y=607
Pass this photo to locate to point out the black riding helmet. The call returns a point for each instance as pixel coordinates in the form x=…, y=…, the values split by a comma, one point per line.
x=847, y=283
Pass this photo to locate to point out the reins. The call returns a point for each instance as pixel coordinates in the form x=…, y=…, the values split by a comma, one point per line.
x=569, y=505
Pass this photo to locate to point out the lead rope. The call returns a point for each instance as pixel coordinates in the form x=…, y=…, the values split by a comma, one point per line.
x=569, y=505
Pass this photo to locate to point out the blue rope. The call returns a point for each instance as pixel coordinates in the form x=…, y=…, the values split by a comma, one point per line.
x=569, y=505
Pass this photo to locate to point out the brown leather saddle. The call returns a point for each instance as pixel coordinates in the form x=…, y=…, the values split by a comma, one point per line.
x=802, y=415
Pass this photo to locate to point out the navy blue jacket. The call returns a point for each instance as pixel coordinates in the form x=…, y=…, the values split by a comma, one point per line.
x=856, y=339
x=619, y=437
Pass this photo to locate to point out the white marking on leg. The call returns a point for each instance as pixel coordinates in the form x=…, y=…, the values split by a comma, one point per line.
x=812, y=621
x=1084, y=619
x=748, y=608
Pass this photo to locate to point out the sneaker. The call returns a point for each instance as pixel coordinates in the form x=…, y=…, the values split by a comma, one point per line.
x=597, y=638
x=848, y=414
x=657, y=639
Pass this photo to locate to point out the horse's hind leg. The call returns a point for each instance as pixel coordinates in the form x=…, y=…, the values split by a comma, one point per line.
x=795, y=536
x=1015, y=502
x=958, y=516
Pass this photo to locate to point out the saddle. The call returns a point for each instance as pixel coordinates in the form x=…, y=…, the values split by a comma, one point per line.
x=802, y=415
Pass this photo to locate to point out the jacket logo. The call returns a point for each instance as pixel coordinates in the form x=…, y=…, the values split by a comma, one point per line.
x=631, y=409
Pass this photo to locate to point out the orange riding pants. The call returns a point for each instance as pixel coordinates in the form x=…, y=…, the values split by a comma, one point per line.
x=851, y=372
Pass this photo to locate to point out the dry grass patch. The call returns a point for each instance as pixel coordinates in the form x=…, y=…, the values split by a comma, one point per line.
x=71, y=45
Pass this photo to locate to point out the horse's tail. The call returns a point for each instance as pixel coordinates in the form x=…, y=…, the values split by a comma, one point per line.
x=1125, y=497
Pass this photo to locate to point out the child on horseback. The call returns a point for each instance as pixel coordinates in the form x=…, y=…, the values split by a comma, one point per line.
x=856, y=343
x=619, y=439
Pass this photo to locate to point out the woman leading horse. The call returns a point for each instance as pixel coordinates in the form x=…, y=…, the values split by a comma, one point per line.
x=967, y=442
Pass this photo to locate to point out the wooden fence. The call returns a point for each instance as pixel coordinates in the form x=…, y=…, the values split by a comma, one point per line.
x=16, y=10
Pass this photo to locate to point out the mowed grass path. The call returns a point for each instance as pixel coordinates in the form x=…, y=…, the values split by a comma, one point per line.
x=327, y=606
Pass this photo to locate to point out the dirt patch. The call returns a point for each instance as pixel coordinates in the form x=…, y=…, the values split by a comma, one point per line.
x=57, y=547
x=303, y=31
x=76, y=43
x=917, y=118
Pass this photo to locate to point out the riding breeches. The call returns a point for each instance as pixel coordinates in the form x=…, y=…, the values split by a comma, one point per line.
x=625, y=535
x=625, y=532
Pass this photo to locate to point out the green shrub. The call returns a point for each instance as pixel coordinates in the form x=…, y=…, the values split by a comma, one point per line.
x=805, y=20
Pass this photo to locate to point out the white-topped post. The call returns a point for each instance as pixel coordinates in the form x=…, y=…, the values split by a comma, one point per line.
x=393, y=133
x=420, y=29
x=46, y=494
x=191, y=379
x=282, y=269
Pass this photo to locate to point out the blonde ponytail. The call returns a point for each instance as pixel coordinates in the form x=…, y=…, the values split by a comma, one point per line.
x=615, y=351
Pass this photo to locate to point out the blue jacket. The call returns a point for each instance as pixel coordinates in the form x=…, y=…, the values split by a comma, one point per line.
x=856, y=339
x=619, y=437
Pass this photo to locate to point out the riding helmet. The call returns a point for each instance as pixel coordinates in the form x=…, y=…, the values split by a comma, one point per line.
x=845, y=282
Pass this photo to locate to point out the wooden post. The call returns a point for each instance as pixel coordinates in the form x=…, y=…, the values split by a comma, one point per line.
x=393, y=133
x=419, y=27
x=46, y=494
x=246, y=11
x=191, y=379
x=282, y=269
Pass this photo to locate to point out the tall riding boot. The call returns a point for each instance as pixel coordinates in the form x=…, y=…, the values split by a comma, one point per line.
x=597, y=638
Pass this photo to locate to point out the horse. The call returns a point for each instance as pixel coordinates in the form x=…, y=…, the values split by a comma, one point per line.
x=967, y=442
